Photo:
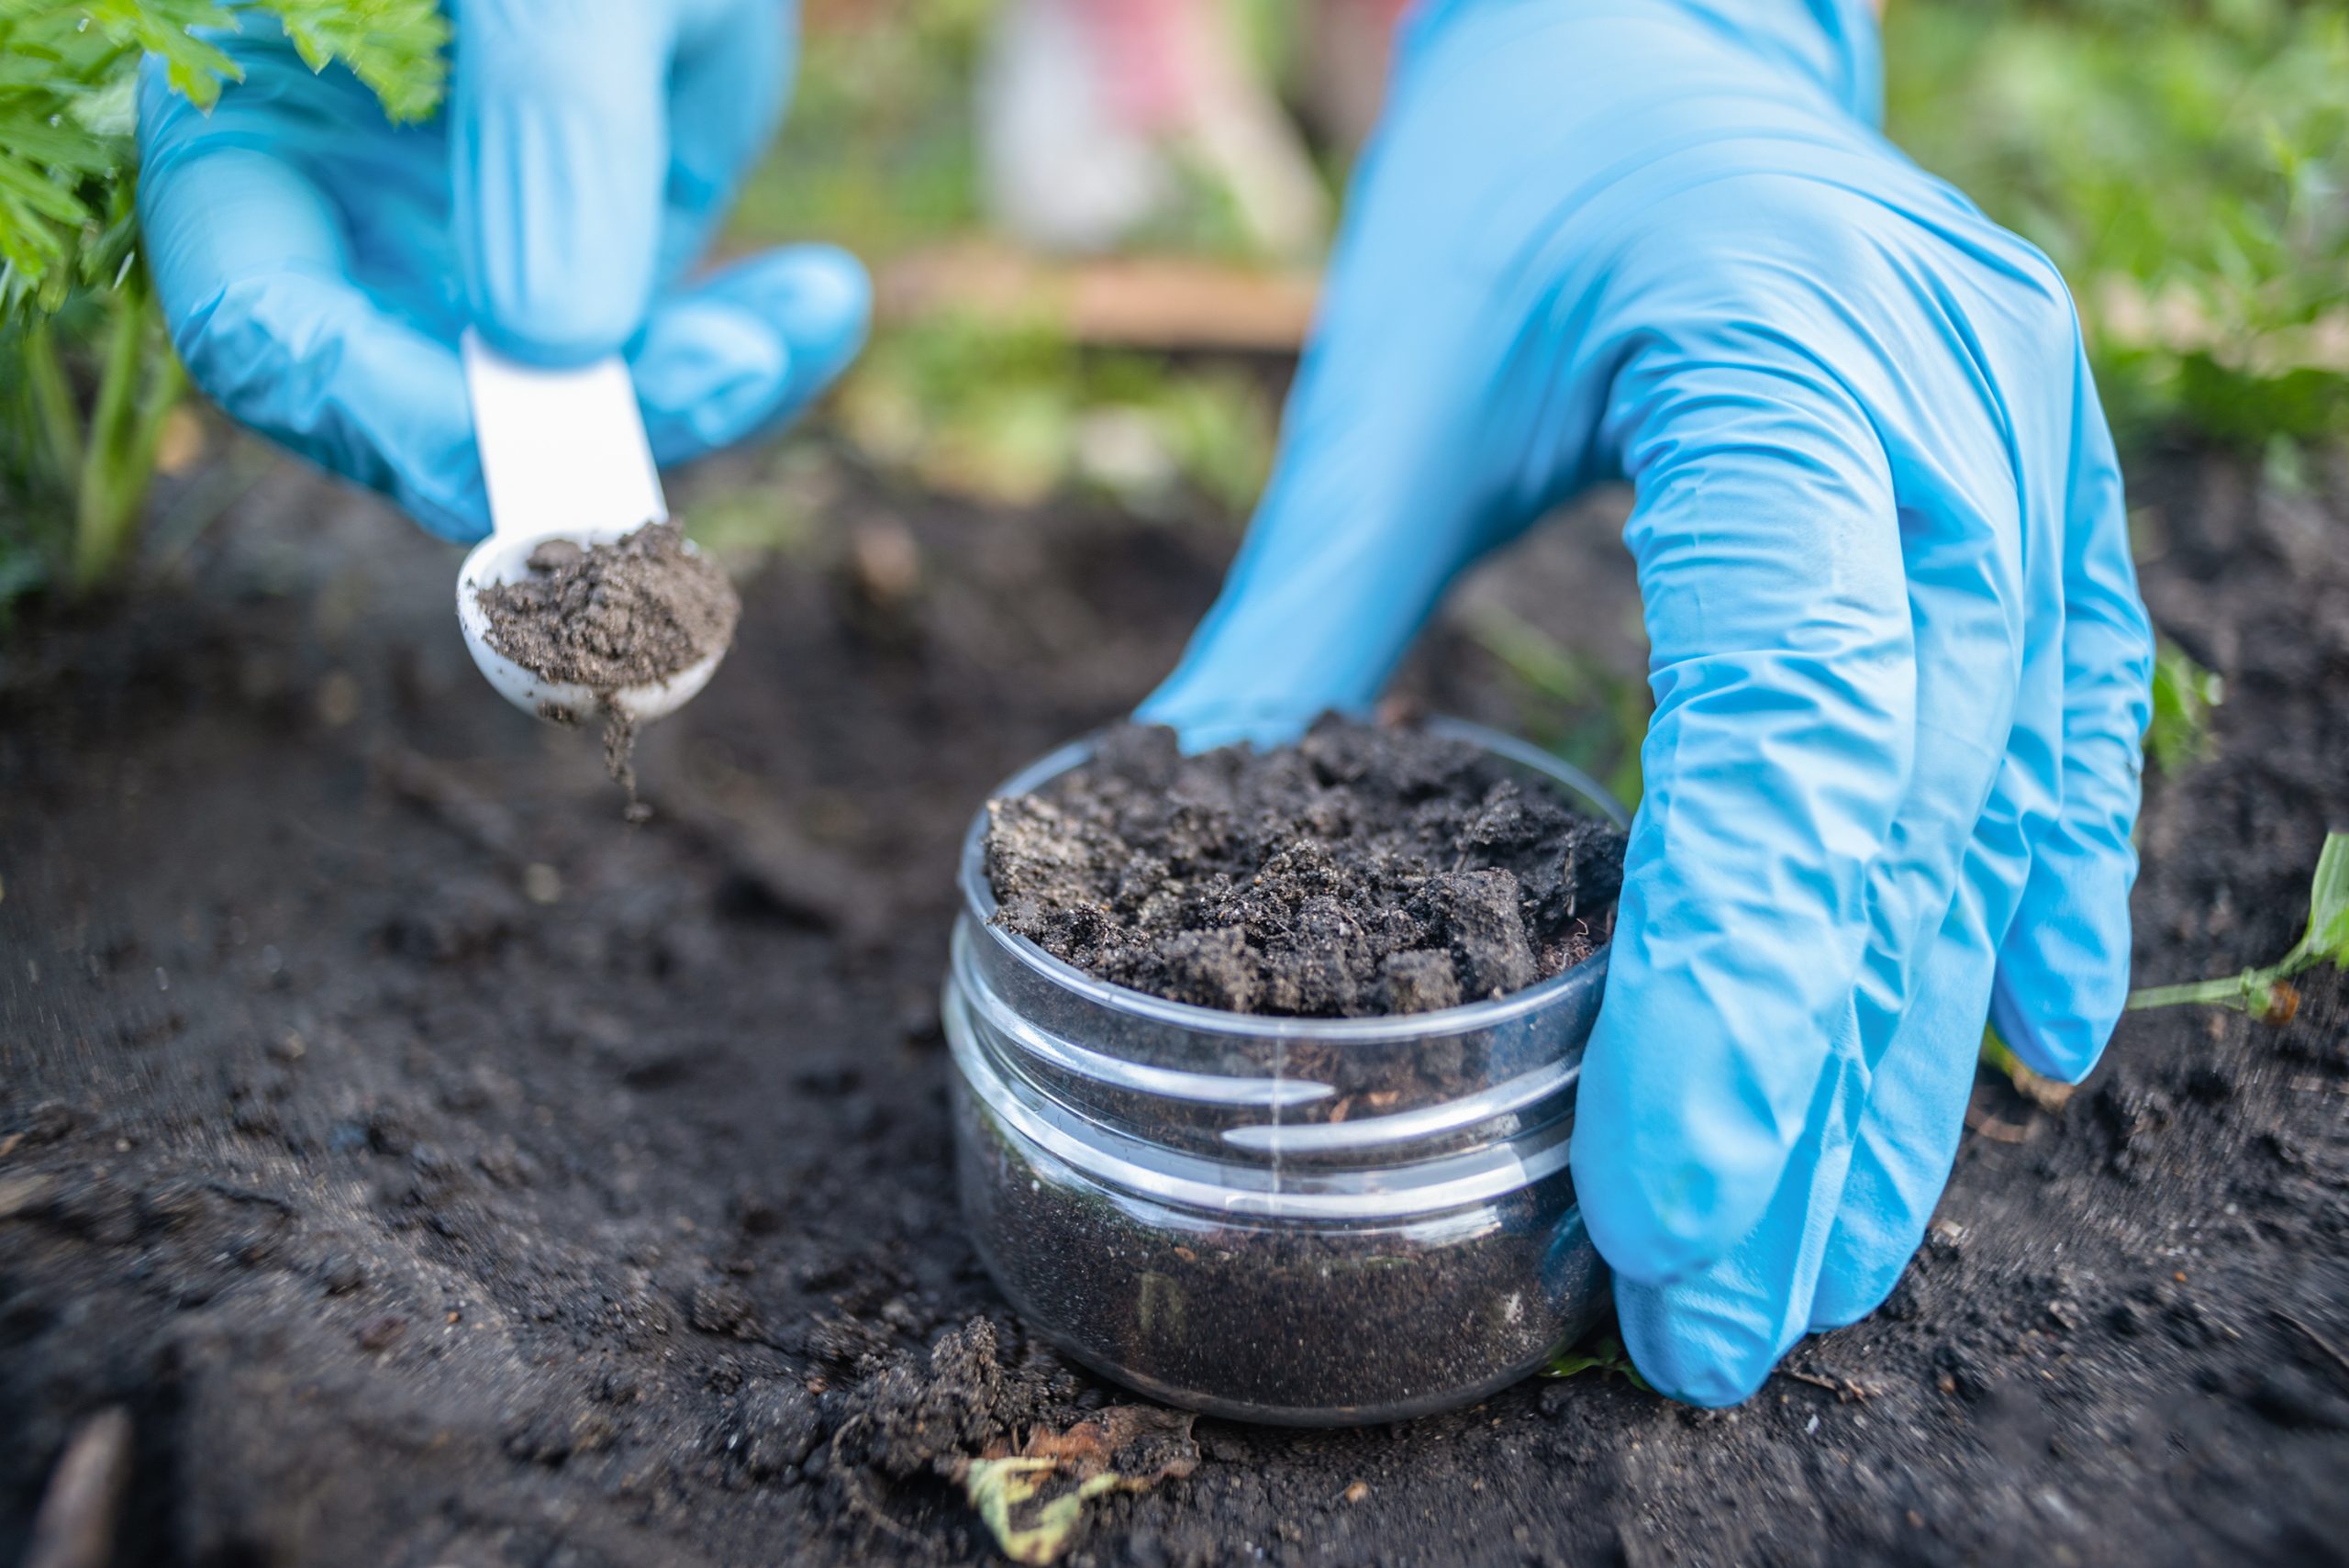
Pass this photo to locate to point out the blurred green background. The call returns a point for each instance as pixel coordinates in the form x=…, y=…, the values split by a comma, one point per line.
x=2186, y=162
x=2183, y=161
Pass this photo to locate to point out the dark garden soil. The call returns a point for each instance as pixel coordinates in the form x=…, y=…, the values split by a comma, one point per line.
x=439, y=1172
x=1370, y=869
x=630, y=613
x=637, y=611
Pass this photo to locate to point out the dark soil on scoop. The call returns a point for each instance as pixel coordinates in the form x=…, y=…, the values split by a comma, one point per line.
x=624, y=614
x=630, y=613
x=437, y=1174
x=1370, y=869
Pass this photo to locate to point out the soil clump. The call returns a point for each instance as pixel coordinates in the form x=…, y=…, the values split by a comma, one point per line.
x=624, y=614
x=630, y=613
x=1366, y=870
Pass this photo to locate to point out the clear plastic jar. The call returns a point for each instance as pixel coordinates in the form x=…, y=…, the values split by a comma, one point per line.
x=1311, y=1221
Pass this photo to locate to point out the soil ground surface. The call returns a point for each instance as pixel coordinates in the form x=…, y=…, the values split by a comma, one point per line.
x=441, y=1172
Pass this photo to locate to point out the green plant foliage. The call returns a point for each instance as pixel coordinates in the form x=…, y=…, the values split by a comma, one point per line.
x=2185, y=165
x=1593, y=716
x=2267, y=992
x=878, y=153
x=2178, y=734
x=1015, y=412
x=67, y=74
x=1028, y=1526
x=86, y=377
x=1601, y=1353
x=1033, y=1500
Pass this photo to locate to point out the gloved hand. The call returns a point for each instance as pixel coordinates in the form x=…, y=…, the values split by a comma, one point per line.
x=1899, y=663
x=316, y=265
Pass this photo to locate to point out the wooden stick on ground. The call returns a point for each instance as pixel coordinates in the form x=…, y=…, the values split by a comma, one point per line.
x=75, y=1525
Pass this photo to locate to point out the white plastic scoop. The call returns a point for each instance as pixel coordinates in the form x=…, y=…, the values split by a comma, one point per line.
x=565, y=456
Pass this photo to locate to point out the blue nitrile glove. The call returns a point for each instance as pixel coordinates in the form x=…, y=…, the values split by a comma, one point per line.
x=1899, y=663
x=317, y=263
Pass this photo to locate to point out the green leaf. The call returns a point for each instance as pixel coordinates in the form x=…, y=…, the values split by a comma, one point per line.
x=2177, y=734
x=1602, y=1353
x=2182, y=164
x=2264, y=992
x=397, y=47
x=39, y=195
x=68, y=70
x=1033, y=1500
x=2328, y=935
x=65, y=149
x=1002, y=1489
x=109, y=111
x=168, y=29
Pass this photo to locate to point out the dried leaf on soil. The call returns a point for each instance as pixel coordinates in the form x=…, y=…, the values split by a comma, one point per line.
x=75, y=1525
x=2050, y=1094
x=1033, y=1498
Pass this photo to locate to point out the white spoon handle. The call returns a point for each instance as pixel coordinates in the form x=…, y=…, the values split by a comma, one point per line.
x=561, y=449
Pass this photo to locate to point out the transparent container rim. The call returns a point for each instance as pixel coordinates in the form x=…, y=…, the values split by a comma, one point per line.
x=979, y=894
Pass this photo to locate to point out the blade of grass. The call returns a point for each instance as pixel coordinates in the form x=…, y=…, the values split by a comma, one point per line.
x=2266, y=992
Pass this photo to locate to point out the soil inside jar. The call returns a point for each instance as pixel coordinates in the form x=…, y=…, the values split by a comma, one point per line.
x=1287, y=1323
x=1368, y=870
x=638, y=610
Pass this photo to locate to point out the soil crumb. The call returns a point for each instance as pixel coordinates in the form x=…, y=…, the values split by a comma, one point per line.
x=913, y=1414
x=630, y=613
x=1366, y=870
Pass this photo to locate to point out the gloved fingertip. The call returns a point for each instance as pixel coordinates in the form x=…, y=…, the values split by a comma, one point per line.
x=559, y=159
x=1690, y=1350
x=1658, y=1212
x=707, y=372
x=832, y=295
x=818, y=296
x=2059, y=1036
x=1648, y=1244
x=748, y=346
x=1853, y=1290
x=2062, y=976
x=556, y=330
x=2063, y=967
x=1203, y=724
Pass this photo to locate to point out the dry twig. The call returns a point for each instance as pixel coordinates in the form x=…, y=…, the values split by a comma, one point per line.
x=75, y=1525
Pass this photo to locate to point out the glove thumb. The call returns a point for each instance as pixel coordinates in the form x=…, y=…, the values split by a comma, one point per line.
x=558, y=146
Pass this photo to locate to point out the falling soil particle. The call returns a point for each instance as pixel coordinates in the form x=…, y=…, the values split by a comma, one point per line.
x=1365, y=870
x=631, y=612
